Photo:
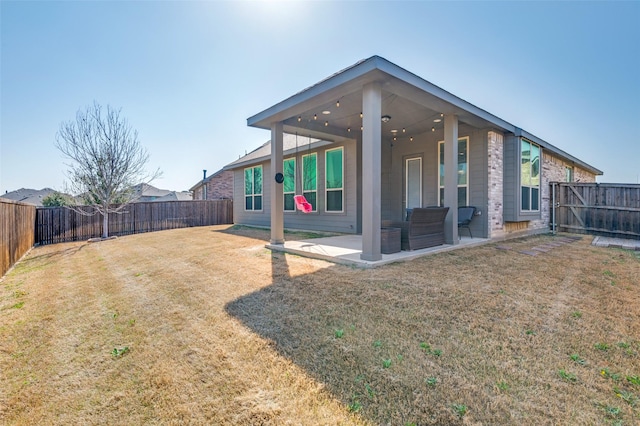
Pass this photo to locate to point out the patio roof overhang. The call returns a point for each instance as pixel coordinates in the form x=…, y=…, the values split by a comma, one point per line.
x=412, y=103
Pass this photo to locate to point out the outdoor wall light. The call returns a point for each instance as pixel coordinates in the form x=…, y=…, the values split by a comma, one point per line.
x=386, y=118
x=315, y=116
x=433, y=129
x=326, y=123
x=338, y=103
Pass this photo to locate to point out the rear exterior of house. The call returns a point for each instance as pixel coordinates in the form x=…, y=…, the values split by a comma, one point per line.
x=489, y=165
x=356, y=170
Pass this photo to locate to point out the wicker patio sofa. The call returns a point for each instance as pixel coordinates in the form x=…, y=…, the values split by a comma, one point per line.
x=424, y=228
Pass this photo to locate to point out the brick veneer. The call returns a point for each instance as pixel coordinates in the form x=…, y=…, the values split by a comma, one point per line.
x=219, y=186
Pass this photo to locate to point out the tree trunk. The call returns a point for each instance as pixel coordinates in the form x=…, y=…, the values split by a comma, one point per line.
x=105, y=224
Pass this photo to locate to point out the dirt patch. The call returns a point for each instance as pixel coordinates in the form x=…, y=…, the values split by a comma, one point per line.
x=220, y=330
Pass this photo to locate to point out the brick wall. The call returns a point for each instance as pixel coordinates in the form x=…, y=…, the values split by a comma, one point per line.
x=219, y=186
x=553, y=170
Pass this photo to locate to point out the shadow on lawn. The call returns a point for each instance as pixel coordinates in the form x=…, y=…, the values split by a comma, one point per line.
x=33, y=260
x=323, y=323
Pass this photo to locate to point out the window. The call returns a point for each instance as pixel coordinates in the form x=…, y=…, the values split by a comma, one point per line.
x=463, y=174
x=289, y=184
x=529, y=176
x=334, y=179
x=253, y=188
x=568, y=174
x=309, y=182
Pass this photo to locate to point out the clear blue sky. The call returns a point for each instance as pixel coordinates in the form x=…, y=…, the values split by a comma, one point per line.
x=187, y=75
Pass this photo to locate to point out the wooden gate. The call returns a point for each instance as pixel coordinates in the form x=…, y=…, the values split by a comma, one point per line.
x=606, y=209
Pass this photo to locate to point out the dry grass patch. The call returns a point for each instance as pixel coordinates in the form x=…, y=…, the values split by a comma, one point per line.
x=218, y=330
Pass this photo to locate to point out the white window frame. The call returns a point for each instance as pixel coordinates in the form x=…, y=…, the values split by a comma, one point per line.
x=302, y=190
x=253, y=188
x=568, y=174
x=406, y=181
x=522, y=184
x=441, y=184
x=326, y=189
x=284, y=206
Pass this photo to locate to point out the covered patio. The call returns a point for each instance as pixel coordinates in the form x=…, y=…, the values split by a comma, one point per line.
x=381, y=109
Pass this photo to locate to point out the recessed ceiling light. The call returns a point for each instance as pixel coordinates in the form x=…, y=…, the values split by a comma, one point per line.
x=386, y=118
x=394, y=131
x=326, y=112
x=437, y=120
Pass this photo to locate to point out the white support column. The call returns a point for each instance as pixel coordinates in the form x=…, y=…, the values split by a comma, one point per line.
x=277, y=194
x=371, y=171
x=451, y=178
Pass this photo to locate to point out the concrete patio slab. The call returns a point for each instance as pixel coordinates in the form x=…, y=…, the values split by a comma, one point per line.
x=616, y=242
x=346, y=249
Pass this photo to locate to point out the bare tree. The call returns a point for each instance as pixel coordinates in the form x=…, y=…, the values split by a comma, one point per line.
x=107, y=160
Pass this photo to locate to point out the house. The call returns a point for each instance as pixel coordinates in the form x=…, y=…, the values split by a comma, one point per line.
x=29, y=196
x=381, y=140
x=218, y=186
x=173, y=196
x=143, y=192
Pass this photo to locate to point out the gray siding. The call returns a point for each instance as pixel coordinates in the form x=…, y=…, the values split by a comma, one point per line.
x=321, y=220
x=478, y=180
x=240, y=215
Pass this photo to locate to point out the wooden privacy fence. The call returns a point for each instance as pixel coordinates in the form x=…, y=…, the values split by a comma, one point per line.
x=606, y=209
x=60, y=224
x=16, y=232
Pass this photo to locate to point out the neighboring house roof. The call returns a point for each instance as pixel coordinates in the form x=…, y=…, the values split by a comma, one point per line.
x=29, y=196
x=290, y=144
x=174, y=196
x=146, y=190
x=408, y=93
